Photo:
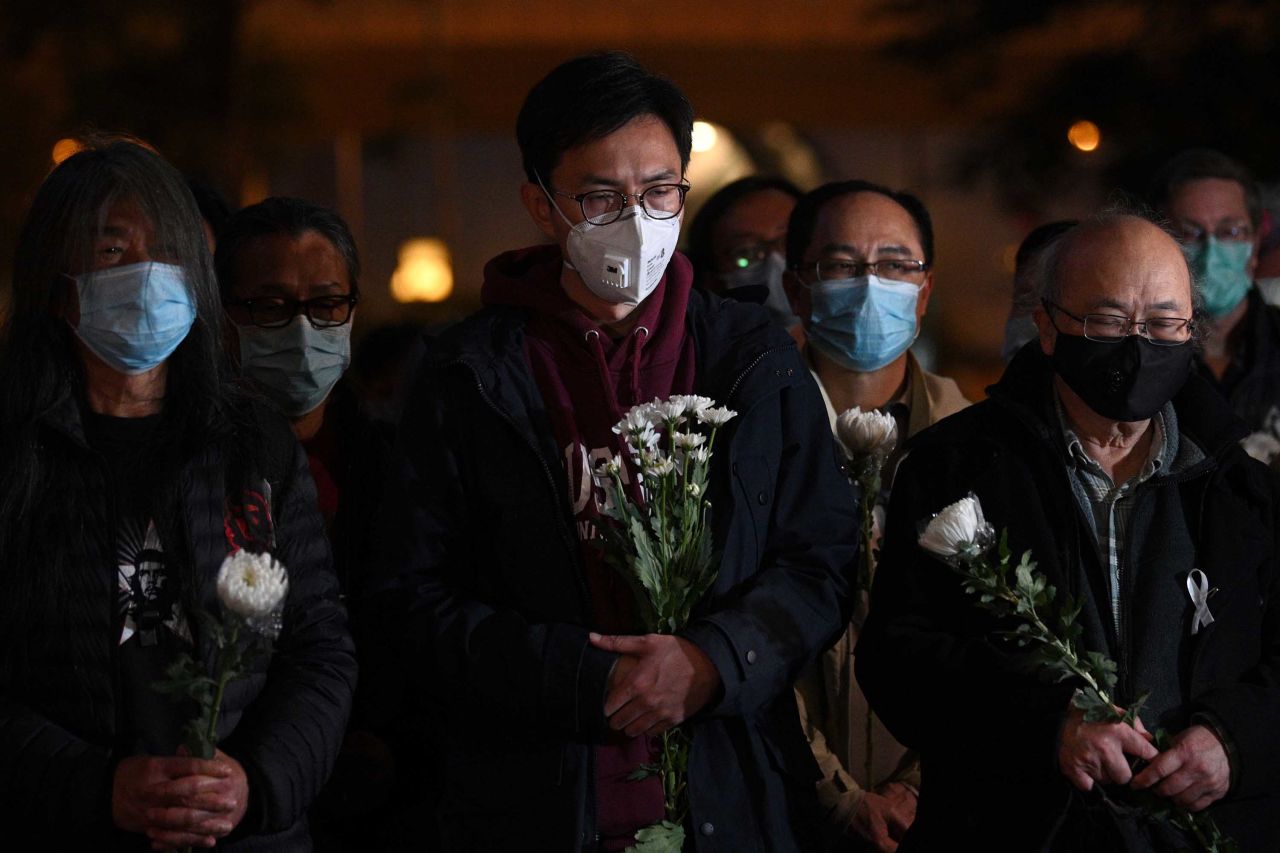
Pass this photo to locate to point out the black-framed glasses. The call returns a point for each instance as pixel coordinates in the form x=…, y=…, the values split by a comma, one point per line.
x=1114, y=328
x=323, y=312
x=600, y=207
x=1189, y=232
x=835, y=269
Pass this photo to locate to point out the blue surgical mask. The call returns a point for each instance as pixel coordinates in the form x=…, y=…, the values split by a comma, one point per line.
x=863, y=323
x=296, y=365
x=1220, y=270
x=765, y=274
x=134, y=316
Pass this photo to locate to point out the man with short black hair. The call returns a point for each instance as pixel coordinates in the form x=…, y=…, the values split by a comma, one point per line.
x=546, y=694
x=860, y=272
x=1215, y=210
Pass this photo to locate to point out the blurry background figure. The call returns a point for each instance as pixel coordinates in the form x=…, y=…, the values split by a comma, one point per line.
x=289, y=275
x=1215, y=212
x=214, y=209
x=1266, y=277
x=1020, y=328
x=737, y=244
x=382, y=365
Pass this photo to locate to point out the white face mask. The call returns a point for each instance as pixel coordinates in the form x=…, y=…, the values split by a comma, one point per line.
x=621, y=262
x=1270, y=289
x=766, y=274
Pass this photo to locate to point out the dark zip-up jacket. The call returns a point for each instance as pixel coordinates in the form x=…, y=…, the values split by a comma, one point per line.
x=987, y=729
x=1253, y=384
x=283, y=720
x=500, y=612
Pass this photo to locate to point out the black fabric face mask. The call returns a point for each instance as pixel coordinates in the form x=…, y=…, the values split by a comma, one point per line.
x=1126, y=381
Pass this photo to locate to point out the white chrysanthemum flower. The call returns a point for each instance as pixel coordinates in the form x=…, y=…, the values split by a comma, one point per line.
x=688, y=440
x=607, y=469
x=693, y=490
x=670, y=410
x=694, y=403
x=660, y=466
x=700, y=455
x=867, y=433
x=716, y=417
x=643, y=440
x=635, y=420
x=1262, y=446
x=958, y=530
x=252, y=586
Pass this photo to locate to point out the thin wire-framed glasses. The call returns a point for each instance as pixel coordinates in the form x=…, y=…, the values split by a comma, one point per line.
x=835, y=269
x=600, y=207
x=1114, y=328
x=323, y=312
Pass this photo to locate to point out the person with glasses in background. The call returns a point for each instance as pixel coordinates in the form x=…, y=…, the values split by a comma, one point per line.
x=1118, y=468
x=543, y=688
x=289, y=275
x=860, y=260
x=738, y=245
x=1215, y=211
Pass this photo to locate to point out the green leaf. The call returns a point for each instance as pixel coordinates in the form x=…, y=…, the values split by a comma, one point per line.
x=664, y=837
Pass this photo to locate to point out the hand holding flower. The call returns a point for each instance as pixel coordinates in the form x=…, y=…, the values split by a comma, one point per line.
x=1090, y=752
x=176, y=801
x=660, y=681
x=1194, y=771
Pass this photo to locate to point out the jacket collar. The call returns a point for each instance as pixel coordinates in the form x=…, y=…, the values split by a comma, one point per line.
x=1026, y=391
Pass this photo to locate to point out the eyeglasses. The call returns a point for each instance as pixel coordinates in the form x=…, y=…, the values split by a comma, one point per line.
x=600, y=207
x=834, y=269
x=749, y=254
x=1187, y=232
x=1114, y=328
x=274, y=312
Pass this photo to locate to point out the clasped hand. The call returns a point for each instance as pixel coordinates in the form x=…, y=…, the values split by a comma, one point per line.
x=179, y=801
x=1193, y=772
x=658, y=682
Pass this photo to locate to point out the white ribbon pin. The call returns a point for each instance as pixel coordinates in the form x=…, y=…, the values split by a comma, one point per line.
x=1198, y=589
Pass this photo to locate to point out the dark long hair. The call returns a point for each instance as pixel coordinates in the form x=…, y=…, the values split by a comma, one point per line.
x=46, y=519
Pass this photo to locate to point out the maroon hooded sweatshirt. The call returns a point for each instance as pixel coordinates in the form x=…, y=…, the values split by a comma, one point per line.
x=588, y=380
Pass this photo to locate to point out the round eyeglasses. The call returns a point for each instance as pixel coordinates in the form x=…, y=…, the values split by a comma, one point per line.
x=1114, y=328
x=1190, y=233
x=323, y=312
x=600, y=207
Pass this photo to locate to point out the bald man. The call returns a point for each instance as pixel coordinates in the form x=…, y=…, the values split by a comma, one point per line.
x=1120, y=470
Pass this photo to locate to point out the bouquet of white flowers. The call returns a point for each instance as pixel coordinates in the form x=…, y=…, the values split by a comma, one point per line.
x=656, y=534
x=962, y=538
x=251, y=589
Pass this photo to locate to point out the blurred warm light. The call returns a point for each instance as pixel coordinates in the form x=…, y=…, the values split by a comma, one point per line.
x=1009, y=258
x=1084, y=135
x=64, y=148
x=425, y=273
x=705, y=135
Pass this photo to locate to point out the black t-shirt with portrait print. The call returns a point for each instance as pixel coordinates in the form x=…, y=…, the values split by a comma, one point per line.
x=151, y=628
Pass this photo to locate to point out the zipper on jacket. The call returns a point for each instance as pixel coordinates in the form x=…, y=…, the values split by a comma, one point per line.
x=565, y=539
x=733, y=389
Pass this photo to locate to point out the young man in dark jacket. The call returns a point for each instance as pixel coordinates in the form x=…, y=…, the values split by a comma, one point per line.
x=546, y=693
x=1120, y=470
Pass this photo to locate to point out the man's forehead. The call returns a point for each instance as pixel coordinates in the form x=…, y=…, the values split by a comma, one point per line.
x=1128, y=262
x=865, y=219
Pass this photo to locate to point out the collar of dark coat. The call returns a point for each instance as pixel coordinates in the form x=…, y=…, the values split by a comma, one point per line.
x=742, y=356
x=1025, y=390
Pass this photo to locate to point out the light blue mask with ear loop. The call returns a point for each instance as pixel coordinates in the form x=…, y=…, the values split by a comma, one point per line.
x=864, y=323
x=1220, y=268
x=296, y=365
x=134, y=316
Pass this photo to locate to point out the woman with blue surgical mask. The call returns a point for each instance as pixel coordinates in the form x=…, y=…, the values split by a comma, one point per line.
x=131, y=467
